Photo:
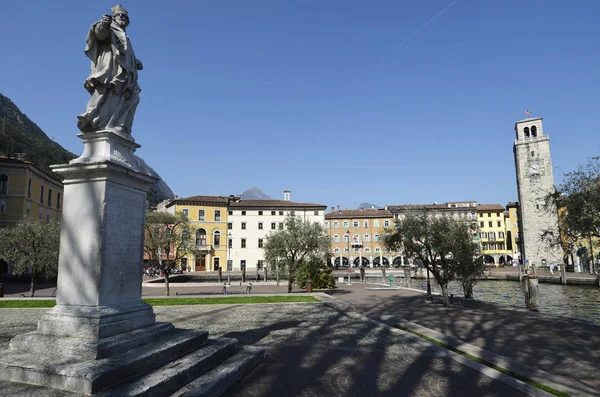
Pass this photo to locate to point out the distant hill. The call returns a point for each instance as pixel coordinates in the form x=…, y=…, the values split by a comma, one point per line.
x=368, y=205
x=255, y=193
x=18, y=134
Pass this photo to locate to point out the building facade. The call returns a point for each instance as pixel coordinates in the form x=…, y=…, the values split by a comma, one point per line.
x=27, y=191
x=513, y=240
x=492, y=233
x=251, y=221
x=356, y=238
x=208, y=220
x=534, y=182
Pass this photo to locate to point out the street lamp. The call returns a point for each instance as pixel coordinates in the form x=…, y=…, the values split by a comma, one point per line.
x=229, y=260
x=349, y=263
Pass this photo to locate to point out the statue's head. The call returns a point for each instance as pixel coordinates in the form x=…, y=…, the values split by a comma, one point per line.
x=120, y=16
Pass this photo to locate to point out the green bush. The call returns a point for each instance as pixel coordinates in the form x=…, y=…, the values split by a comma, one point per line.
x=316, y=271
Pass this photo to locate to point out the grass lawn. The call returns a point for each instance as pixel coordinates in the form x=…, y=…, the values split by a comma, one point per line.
x=21, y=304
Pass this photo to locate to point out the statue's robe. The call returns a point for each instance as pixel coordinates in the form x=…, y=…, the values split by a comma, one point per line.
x=112, y=82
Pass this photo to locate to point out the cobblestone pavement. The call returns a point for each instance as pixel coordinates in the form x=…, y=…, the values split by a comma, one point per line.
x=560, y=346
x=316, y=350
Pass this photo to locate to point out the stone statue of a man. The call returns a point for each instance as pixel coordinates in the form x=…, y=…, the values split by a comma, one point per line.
x=113, y=81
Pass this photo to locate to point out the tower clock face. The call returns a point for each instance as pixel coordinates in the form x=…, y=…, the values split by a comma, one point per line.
x=535, y=168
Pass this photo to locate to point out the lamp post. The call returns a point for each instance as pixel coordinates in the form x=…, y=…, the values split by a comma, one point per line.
x=349, y=262
x=229, y=261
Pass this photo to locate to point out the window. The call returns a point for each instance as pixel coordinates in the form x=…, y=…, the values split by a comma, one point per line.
x=386, y=223
x=243, y=243
x=499, y=224
x=217, y=215
x=259, y=212
x=490, y=224
x=367, y=238
x=376, y=237
x=200, y=238
x=200, y=215
x=376, y=223
x=58, y=201
x=280, y=212
x=489, y=214
x=273, y=226
x=41, y=195
x=29, y=188
x=261, y=264
x=217, y=239
x=243, y=212
x=492, y=236
x=3, y=184
x=260, y=225
x=28, y=209
x=230, y=243
x=367, y=250
x=481, y=214
x=516, y=223
x=366, y=224
x=260, y=243
x=230, y=212
x=336, y=238
x=49, y=197
x=216, y=263
x=346, y=238
x=185, y=212
x=280, y=225
x=377, y=250
x=336, y=224
x=2, y=206
x=230, y=226
x=532, y=153
x=327, y=224
x=500, y=234
x=316, y=213
x=336, y=250
x=483, y=235
x=273, y=212
x=243, y=225
x=480, y=224
x=345, y=224
x=292, y=213
x=355, y=224
x=40, y=213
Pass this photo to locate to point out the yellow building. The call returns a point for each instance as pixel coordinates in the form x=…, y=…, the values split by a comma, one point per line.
x=492, y=234
x=355, y=236
x=513, y=242
x=25, y=190
x=208, y=218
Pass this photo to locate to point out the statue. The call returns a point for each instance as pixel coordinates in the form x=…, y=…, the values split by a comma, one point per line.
x=113, y=81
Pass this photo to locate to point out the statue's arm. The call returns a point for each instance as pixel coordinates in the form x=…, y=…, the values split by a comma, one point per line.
x=102, y=28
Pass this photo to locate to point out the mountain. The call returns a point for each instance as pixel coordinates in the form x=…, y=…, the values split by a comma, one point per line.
x=368, y=205
x=255, y=193
x=18, y=134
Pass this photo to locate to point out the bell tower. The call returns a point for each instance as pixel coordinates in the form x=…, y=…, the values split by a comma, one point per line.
x=534, y=182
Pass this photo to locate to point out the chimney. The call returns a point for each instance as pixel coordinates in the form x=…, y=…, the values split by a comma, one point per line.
x=287, y=195
x=338, y=207
x=332, y=209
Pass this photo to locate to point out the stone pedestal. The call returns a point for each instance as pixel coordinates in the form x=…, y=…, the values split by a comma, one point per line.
x=101, y=336
x=531, y=290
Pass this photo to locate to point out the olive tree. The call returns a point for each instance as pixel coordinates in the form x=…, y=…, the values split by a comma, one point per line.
x=442, y=245
x=31, y=246
x=167, y=240
x=299, y=241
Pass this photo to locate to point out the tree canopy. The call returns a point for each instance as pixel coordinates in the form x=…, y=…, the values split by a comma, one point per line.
x=300, y=240
x=167, y=240
x=32, y=246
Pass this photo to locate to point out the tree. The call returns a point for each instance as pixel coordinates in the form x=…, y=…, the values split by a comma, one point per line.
x=578, y=202
x=298, y=241
x=470, y=266
x=442, y=245
x=167, y=241
x=32, y=246
x=317, y=271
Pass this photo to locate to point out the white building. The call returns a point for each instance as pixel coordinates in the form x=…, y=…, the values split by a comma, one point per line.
x=251, y=221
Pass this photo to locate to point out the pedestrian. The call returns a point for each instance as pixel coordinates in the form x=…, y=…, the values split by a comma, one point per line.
x=224, y=290
x=552, y=269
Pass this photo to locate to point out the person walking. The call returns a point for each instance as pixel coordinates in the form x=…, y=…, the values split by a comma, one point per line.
x=552, y=270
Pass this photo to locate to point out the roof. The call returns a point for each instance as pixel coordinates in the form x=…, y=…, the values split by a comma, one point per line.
x=513, y=204
x=489, y=207
x=223, y=200
x=527, y=120
x=274, y=204
x=420, y=207
x=366, y=213
x=51, y=176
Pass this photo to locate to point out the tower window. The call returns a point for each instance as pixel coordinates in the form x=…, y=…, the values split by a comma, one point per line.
x=526, y=132
x=533, y=131
x=532, y=153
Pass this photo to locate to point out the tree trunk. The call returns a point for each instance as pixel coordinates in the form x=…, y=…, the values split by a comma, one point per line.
x=167, y=290
x=290, y=282
x=444, y=288
x=32, y=284
x=468, y=289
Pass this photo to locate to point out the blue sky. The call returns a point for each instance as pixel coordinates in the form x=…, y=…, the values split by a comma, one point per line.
x=327, y=98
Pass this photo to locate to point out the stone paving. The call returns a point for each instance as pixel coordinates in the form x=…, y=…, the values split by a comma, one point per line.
x=317, y=349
